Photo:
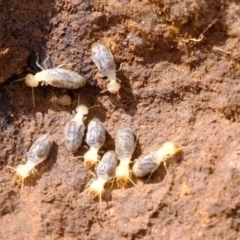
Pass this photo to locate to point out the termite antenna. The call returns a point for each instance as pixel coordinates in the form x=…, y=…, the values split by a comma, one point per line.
x=11, y=168
x=88, y=184
x=30, y=80
x=100, y=199
x=134, y=184
x=65, y=64
x=82, y=165
x=85, y=166
x=94, y=106
x=22, y=185
x=44, y=62
x=112, y=182
x=176, y=138
x=78, y=157
x=93, y=174
x=36, y=171
x=184, y=147
x=120, y=67
x=37, y=62
x=18, y=80
x=104, y=91
x=118, y=96
x=150, y=175
x=33, y=98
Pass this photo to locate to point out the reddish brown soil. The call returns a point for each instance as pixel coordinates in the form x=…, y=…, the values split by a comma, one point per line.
x=180, y=81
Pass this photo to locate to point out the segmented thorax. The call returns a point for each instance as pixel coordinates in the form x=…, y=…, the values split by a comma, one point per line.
x=40, y=150
x=145, y=165
x=95, y=134
x=104, y=61
x=107, y=166
x=125, y=143
x=61, y=78
x=74, y=132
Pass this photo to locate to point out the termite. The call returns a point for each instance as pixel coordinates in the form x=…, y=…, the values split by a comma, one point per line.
x=57, y=77
x=103, y=58
x=124, y=147
x=74, y=130
x=149, y=163
x=105, y=172
x=39, y=152
x=95, y=138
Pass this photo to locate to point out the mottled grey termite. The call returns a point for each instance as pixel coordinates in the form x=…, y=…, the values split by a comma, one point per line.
x=105, y=172
x=95, y=138
x=103, y=58
x=75, y=128
x=149, y=163
x=125, y=144
x=38, y=152
x=57, y=77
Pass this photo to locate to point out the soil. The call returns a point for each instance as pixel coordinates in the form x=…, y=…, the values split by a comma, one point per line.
x=179, y=82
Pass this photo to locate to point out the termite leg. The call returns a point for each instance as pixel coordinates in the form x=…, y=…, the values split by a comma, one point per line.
x=33, y=97
x=165, y=166
x=133, y=182
x=87, y=185
x=38, y=64
x=65, y=64
x=150, y=175
x=44, y=62
x=120, y=67
x=36, y=171
x=100, y=198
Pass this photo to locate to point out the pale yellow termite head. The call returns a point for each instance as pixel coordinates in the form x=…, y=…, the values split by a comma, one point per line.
x=113, y=87
x=171, y=148
x=82, y=109
x=31, y=80
x=22, y=171
x=90, y=158
x=122, y=175
x=96, y=188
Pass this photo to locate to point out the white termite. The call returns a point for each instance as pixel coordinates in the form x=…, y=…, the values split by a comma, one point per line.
x=103, y=58
x=57, y=77
x=125, y=144
x=105, y=172
x=149, y=163
x=38, y=152
x=95, y=138
x=74, y=129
